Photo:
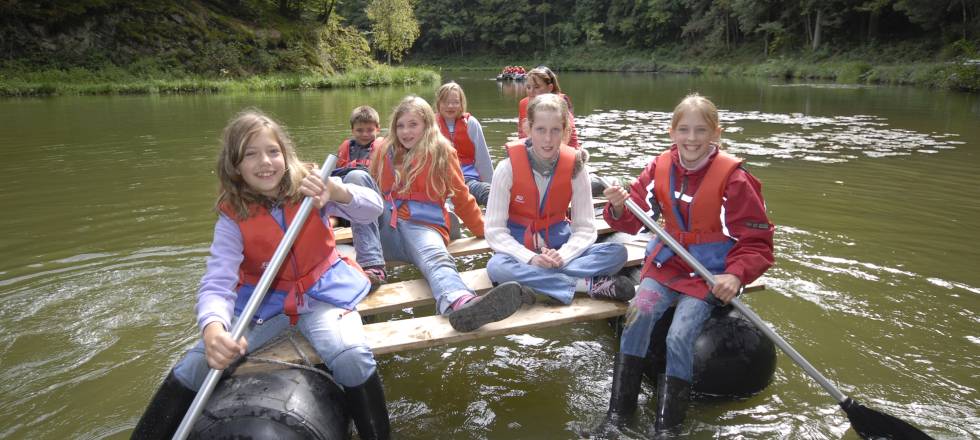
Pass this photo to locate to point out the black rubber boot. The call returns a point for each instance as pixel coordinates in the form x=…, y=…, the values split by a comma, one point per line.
x=366, y=403
x=627, y=377
x=165, y=411
x=673, y=395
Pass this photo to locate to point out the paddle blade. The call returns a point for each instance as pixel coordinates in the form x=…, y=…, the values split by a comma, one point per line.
x=871, y=424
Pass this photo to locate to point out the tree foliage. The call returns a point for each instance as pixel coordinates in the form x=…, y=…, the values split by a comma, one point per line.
x=393, y=25
x=535, y=26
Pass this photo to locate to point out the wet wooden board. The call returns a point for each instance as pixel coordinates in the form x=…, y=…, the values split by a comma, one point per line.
x=414, y=293
x=430, y=331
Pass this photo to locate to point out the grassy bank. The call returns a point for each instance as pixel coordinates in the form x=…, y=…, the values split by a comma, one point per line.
x=116, y=81
x=886, y=66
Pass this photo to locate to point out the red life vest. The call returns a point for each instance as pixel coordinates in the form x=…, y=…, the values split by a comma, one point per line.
x=312, y=254
x=460, y=138
x=343, y=154
x=421, y=208
x=526, y=217
x=703, y=234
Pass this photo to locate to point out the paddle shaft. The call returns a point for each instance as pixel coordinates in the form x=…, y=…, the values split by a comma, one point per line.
x=742, y=308
x=252, y=306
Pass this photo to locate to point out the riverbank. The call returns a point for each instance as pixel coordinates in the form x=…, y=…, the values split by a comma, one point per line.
x=859, y=66
x=117, y=81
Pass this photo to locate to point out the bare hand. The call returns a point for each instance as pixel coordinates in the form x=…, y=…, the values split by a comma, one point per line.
x=219, y=348
x=548, y=259
x=313, y=186
x=617, y=196
x=726, y=287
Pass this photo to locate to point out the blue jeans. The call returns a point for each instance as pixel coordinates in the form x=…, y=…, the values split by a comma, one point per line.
x=367, y=239
x=479, y=189
x=423, y=247
x=335, y=333
x=651, y=301
x=598, y=259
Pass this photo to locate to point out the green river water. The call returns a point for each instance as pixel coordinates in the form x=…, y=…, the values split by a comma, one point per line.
x=874, y=191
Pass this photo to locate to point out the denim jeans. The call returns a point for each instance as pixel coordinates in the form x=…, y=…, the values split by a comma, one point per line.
x=479, y=189
x=651, y=301
x=367, y=239
x=423, y=247
x=598, y=259
x=335, y=333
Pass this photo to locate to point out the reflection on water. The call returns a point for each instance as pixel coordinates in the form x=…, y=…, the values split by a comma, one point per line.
x=873, y=191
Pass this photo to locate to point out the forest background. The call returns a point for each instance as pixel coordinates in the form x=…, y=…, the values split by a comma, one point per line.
x=142, y=46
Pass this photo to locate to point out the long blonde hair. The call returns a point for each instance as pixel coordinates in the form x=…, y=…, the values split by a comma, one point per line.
x=233, y=191
x=706, y=109
x=431, y=152
x=443, y=94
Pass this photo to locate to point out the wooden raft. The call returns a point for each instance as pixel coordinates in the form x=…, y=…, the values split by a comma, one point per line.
x=429, y=331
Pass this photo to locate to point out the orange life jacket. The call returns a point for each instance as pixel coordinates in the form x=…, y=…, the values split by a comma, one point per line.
x=421, y=208
x=526, y=216
x=312, y=254
x=702, y=234
x=460, y=138
x=343, y=154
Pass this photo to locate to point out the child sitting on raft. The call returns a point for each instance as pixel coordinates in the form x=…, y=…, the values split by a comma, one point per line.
x=417, y=170
x=262, y=186
x=534, y=241
x=713, y=207
x=466, y=136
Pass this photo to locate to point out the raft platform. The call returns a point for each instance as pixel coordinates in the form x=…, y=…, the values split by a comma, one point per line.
x=428, y=331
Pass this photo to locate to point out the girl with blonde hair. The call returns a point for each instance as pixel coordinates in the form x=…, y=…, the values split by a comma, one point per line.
x=466, y=135
x=417, y=170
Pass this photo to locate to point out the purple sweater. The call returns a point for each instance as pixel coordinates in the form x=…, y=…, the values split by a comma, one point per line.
x=216, y=295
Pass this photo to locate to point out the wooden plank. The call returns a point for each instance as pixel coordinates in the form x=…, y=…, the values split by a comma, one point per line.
x=430, y=331
x=414, y=293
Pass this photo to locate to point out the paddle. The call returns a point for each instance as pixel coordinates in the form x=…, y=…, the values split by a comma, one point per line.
x=867, y=422
x=252, y=306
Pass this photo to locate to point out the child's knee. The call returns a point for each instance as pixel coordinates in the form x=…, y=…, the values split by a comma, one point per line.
x=353, y=366
x=359, y=178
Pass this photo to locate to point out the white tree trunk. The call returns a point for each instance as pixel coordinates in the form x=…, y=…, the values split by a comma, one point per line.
x=816, y=30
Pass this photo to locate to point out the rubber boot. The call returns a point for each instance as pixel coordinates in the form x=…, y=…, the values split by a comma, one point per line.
x=673, y=395
x=165, y=411
x=366, y=403
x=627, y=377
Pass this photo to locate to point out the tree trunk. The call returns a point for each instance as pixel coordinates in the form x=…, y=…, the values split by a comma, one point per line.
x=807, y=30
x=283, y=7
x=328, y=10
x=816, y=30
x=873, y=21
x=963, y=3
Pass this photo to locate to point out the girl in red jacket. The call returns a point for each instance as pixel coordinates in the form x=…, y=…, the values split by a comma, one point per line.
x=713, y=207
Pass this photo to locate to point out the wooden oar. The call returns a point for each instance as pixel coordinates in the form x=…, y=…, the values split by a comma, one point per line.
x=252, y=306
x=867, y=422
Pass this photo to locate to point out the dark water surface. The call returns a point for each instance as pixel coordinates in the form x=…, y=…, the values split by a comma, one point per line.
x=873, y=190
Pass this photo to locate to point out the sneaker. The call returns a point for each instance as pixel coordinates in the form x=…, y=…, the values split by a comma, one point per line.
x=499, y=303
x=377, y=276
x=618, y=287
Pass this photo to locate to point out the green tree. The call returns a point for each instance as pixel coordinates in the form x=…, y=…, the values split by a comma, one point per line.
x=394, y=26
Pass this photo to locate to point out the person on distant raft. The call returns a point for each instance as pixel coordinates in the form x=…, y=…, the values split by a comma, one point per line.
x=417, y=170
x=714, y=208
x=542, y=80
x=528, y=228
x=353, y=160
x=262, y=184
x=466, y=136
